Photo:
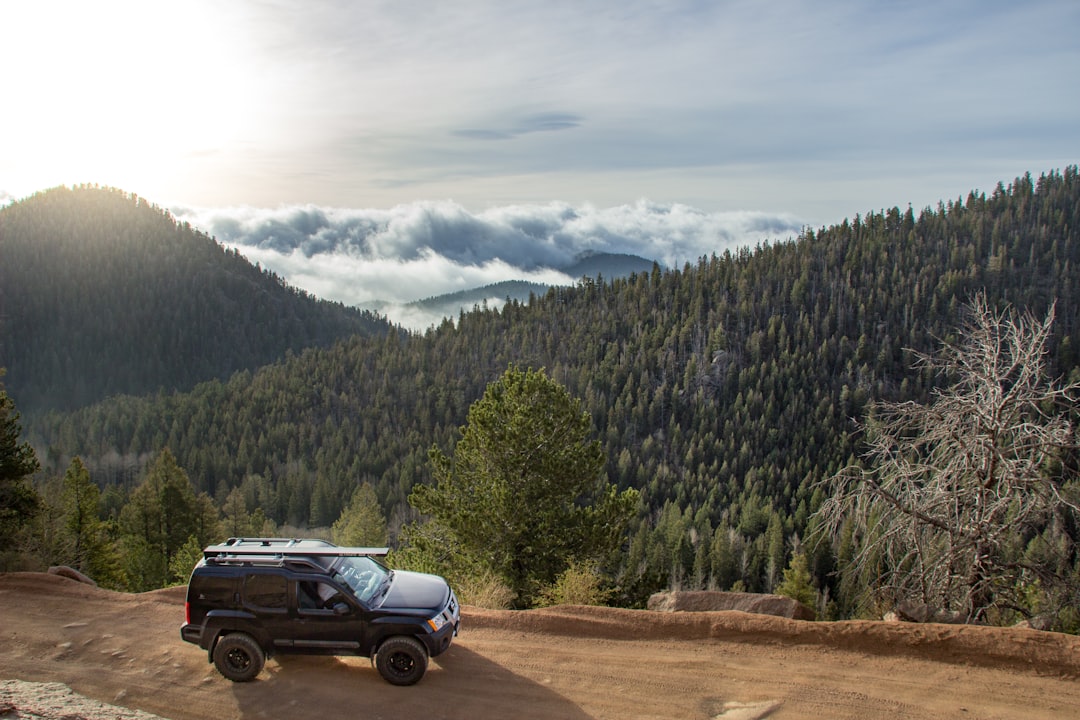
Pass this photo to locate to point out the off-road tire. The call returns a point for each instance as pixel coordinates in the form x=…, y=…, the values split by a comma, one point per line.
x=238, y=657
x=401, y=660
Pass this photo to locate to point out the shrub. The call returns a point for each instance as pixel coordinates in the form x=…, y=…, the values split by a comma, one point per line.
x=580, y=584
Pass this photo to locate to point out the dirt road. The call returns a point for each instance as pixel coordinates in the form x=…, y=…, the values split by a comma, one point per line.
x=558, y=663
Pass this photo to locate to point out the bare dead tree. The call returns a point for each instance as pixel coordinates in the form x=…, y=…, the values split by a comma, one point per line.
x=964, y=504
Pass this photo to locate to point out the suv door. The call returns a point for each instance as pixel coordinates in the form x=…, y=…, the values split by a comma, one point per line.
x=325, y=618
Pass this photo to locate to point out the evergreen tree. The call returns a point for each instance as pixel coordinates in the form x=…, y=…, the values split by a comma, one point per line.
x=81, y=496
x=361, y=522
x=724, y=571
x=797, y=583
x=776, y=552
x=523, y=491
x=237, y=520
x=183, y=562
x=162, y=516
x=19, y=503
x=91, y=545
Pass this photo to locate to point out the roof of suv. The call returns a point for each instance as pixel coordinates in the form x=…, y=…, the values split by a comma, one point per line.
x=277, y=551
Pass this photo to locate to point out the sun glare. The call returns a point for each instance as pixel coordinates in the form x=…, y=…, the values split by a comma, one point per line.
x=119, y=93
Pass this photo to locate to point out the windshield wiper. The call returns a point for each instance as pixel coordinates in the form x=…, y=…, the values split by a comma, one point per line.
x=384, y=587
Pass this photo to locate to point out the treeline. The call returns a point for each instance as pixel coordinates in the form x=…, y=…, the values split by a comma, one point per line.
x=102, y=293
x=723, y=391
x=146, y=539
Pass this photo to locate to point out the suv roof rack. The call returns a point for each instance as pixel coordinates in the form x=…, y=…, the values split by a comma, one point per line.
x=235, y=548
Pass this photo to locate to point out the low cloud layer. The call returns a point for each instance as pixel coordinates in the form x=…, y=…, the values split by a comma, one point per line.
x=424, y=249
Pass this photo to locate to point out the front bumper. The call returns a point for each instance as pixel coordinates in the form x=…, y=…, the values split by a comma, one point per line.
x=439, y=641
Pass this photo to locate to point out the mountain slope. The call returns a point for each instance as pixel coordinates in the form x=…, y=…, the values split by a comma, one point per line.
x=104, y=294
x=724, y=391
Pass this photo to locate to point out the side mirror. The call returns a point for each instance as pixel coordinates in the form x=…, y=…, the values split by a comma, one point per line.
x=341, y=609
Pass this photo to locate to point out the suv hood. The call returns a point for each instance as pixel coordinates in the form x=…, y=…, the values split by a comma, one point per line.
x=415, y=591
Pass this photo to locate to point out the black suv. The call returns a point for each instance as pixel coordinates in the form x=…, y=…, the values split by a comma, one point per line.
x=249, y=598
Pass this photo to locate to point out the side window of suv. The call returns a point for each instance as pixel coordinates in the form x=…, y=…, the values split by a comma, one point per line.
x=311, y=595
x=214, y=591
x=265, y=591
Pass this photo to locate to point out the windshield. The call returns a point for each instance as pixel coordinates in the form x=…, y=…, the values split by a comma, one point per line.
x=365, y=576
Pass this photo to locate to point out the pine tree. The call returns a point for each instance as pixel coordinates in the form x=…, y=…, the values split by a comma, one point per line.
x=237, y=522
x=523, y=492
x=80, y=496
x=361, y=522
x=162, y=516
x=797, y=583
x=19, y=503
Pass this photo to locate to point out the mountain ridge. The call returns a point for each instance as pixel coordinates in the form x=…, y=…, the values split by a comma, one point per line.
x=104, y=293
x=588, y=265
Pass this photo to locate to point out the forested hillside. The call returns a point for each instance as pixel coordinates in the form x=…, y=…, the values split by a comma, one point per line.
x=102, y=294
x=723, y=390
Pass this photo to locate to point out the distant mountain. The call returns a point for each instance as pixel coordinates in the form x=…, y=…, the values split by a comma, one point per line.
x=452, y=303
x=607, y=266
x=102, y=294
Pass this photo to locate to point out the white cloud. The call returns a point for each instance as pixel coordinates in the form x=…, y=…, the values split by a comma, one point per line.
x=419, y=250
x=355, y=280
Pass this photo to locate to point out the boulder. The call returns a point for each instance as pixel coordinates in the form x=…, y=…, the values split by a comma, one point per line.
x=1037, y=622
x=709, y=600
x=70, y=573
x=909, y=611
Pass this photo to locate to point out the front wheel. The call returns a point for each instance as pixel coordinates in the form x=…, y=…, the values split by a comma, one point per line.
x=401, y=660
x=238, y=657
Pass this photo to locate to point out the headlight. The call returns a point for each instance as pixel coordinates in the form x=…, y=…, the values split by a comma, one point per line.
x=436, y=622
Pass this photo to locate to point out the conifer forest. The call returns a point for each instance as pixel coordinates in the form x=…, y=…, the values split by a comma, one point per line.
x=725, y=392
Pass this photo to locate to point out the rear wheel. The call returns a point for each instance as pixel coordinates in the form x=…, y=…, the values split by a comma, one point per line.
x=238, y=657
x=401, y=660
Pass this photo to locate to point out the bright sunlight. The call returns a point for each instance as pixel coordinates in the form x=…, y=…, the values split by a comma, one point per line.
x=129, y=94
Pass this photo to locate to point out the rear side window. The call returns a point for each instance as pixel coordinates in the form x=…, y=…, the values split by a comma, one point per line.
x=213, y=590
x=265, y=591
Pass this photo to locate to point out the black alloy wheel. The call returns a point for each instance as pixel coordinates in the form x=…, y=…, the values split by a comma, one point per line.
x=401, y=660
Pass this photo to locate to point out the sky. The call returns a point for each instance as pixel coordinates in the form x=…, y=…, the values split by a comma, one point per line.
x=400, y=149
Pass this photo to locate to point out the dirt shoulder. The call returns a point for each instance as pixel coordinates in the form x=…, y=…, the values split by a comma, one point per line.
x=569, y=662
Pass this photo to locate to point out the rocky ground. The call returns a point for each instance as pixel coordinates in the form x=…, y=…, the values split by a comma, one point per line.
x=56, y=701
x=122, y=656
